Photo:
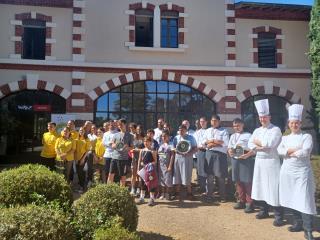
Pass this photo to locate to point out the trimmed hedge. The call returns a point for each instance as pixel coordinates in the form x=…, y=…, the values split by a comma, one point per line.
x=115, y=232
x=34, y=183
x=34, y=222
x=100, y=205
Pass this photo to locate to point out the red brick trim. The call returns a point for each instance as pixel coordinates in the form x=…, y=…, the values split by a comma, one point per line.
x=260, y=29
x=77, y=37
x=230, y=31
x=19, y=31
x=23, y=85
x=41, y=3
x=129, y=70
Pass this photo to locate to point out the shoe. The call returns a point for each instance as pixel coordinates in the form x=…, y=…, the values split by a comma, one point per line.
x=80, y=190
x=249, y=208
x=161, y=197
x=278, y=222
x=141, y=201
x=138, y=191
x=296, y=227
x=239, y=205
x=132, y=193
x=308, y=235
x=190, y=197
x=89, y=184
x=167, y=196
x=262, y=215
x=223, y=200
x=151, y=202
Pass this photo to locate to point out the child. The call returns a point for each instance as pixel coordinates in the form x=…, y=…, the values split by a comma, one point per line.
x=147, y=160
x=166, y=158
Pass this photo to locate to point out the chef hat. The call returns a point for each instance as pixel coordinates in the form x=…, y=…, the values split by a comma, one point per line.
x=262, y=107
x=295, y=112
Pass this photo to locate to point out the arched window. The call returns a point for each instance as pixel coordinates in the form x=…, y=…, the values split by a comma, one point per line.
x=145, y=101
x=144, y=28
x=277, y=109
x=23, y=119
x=169, y=29
x=267, y=51
x=34, y=39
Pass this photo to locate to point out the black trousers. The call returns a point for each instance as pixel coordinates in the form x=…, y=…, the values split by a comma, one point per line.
x=264, y=207
x=303, y=219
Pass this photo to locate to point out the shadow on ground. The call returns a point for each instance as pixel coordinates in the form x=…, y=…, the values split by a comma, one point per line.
x=153, y=236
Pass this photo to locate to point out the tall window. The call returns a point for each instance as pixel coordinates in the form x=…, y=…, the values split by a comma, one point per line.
x=145, y=101
x=144, y=28
x=267, y=50
x=34, y=39
x=169, y=29
x=278, y=111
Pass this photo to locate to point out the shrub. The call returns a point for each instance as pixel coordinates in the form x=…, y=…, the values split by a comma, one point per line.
x=100, y=205
x=34, y=184
x=34, y=222
x=115, y=232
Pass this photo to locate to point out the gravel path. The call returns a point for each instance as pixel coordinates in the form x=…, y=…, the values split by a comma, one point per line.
x=197, y=220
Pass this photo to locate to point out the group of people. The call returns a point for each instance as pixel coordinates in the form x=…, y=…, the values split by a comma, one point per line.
x=161, y=163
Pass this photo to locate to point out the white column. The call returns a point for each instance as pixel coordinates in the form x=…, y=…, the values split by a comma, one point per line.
x=156, y=27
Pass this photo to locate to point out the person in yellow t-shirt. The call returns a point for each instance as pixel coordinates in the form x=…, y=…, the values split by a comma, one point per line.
x=81, y=153
x=99, y=161
x=73, y=133
x=65, y=148
x=48, y=153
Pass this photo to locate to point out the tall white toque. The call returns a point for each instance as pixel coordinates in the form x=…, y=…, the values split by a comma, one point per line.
x=295, y=112
x=262, y=107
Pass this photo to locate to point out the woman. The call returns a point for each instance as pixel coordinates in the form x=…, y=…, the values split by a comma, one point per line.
x=65, y=148
x=297, y=187
x=83, y=146
x=99, y=161
x=137, y=146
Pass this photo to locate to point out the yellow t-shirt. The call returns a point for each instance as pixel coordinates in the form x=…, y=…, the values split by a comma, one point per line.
x=73, y=134
x=65, y=146
x=99, y=149
x=48, y=141
x=83, y=146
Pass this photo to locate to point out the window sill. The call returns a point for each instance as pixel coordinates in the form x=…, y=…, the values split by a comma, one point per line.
x=155, y=49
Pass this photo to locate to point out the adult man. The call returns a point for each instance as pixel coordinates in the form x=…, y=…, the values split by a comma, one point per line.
x=201, y=153
x=187, y=124
x=297, y=187
x=183, y=161
x=265, y=187
x=48, y=153
x=122, y=142
x=106, y=141
x=216, y=142
x=73, y=133
x=242, y=165
x=158, y=130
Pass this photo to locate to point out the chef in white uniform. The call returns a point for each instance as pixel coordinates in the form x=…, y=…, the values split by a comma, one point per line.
x=265, y=185
x=297, y=187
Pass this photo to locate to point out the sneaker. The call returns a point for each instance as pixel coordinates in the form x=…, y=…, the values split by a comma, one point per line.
x=162, y=197
x=249, y=208
x=167, y=196
x=262, y=215
x=190, y=197
x=138, y=191
x=151, y=202
x=239, y=205
x=141, y=201
x=132, y=193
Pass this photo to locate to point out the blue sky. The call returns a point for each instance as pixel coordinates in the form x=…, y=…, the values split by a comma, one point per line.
x=299, y=2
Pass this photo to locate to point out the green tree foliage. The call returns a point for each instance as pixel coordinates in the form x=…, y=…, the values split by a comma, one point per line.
x=314, y=53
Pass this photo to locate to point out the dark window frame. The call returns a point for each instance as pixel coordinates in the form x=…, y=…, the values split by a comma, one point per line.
x=267, y=50
x=144, y=20
x=168, y=16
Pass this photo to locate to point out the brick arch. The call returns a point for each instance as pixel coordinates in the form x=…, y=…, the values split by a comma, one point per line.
x=21, y=85
x=19, y=30
x=155, y=75
x=260, y=29
x=285, y=93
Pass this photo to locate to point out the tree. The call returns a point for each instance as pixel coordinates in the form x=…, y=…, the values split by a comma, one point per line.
x=314, y=53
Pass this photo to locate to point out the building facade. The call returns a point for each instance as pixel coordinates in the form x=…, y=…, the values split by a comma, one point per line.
x=142, y=60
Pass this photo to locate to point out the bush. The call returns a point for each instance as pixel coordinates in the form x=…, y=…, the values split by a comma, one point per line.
x=101, y=205
x=34, y=184
x=316, y=171
x=115, y=232
x=34, y=222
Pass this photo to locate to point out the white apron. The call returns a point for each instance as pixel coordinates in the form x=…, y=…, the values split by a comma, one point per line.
x=265, y=184
x=297, y=187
